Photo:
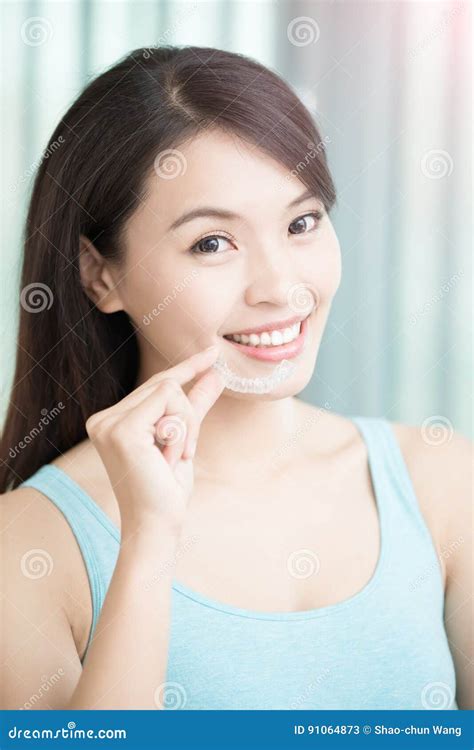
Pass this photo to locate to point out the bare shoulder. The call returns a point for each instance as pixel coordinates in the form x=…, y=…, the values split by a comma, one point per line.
x=440, y=465
x=43, y=572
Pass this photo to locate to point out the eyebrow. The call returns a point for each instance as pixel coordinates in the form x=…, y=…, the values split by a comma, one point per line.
x=220, y=213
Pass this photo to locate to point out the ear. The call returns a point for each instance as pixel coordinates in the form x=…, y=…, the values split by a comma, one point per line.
x=96, y=278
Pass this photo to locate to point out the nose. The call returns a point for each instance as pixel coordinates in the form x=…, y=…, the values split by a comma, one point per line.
x=270, y=282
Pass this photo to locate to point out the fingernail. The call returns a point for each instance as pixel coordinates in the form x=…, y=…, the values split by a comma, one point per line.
x=209, y=348
x=192, y=449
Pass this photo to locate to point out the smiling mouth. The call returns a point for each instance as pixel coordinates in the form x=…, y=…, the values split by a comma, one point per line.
x=272, y=345
x=268, y=338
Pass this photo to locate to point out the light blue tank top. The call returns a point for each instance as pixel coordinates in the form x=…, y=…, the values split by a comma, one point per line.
x=385, y=647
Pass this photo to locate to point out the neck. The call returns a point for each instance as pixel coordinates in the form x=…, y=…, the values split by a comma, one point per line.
x=244, y=434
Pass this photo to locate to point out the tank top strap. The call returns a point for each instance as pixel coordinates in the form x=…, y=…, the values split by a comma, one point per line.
x=97, y=537
x=389, y=469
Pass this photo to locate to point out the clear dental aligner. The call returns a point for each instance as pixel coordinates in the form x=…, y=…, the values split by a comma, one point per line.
x=265, y=384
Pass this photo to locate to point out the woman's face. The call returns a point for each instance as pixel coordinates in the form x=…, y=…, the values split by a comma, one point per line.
x=262, y=259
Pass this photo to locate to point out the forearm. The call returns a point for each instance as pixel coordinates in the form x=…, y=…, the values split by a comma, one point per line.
x=127, y=658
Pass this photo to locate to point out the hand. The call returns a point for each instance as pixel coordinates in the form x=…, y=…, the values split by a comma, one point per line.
x=148, y=439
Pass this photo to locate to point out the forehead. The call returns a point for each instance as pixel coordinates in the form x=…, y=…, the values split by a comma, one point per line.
x=218, y=168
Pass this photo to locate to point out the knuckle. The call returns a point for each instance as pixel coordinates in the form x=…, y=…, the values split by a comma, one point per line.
x=170, y=385
x=92, y=422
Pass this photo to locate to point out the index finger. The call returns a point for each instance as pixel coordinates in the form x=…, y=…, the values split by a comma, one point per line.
x=192, y=366
x=205, y=392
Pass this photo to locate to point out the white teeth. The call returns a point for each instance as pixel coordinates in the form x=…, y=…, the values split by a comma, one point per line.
x=268, y=338
x=288, y=335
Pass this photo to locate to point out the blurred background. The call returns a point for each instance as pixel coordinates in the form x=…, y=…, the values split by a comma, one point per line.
x=389, y=84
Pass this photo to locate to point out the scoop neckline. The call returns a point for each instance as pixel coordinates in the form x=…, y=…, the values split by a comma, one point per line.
x=230, y=609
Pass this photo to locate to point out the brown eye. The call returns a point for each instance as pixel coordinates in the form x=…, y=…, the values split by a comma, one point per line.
x=306, y=223
x=208, y=245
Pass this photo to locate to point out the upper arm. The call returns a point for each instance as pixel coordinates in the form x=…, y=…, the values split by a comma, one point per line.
x=441, y=472
x=40, y=662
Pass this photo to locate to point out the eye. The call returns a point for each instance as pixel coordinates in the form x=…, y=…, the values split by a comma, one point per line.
x=208, y=245
x=307, y=223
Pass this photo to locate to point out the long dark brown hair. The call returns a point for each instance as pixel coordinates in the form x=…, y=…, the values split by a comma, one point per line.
x=73, y=360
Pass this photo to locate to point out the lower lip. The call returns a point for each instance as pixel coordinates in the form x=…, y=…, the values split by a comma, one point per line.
x=275, y=353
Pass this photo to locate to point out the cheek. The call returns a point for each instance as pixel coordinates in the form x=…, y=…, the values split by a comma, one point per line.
x=188, y=307
x=326, y=268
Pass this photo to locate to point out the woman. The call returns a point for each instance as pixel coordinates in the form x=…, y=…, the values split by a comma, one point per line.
x=181, y=531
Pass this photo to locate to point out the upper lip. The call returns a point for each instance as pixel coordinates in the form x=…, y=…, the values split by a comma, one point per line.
x=276, y=325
